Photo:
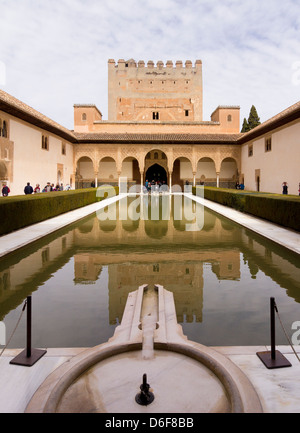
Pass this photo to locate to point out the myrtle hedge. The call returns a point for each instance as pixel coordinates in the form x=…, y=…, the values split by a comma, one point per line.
x=17, y=212
x=276, y=208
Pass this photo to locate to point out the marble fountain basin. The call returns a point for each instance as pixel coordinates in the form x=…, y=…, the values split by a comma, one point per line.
x=182, y=376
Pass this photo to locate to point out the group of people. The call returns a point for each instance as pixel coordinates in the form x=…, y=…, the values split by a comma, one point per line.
x=47, y=188
x=30, y=190
x=157, y=186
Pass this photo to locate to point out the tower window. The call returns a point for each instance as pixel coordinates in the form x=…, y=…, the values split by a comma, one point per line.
x=83, y=117
x=186, y=113
x=63, y=148
x=155, y=115
x=229, y=118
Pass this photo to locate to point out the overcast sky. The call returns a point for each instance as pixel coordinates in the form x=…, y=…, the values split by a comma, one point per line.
x=54, y=53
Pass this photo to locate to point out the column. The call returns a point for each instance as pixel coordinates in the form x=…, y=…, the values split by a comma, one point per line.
x=96, y=179
x=170, y=181
x=120, y=189
x=218, y=179
x=194, y=179
x=142, y=180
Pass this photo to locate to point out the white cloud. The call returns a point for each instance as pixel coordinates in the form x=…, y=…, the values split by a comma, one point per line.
x=55, y=52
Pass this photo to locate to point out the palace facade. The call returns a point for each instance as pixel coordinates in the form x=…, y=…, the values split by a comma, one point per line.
x=154, y=131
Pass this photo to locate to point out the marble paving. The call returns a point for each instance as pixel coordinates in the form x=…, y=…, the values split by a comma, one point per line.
x=278, y=389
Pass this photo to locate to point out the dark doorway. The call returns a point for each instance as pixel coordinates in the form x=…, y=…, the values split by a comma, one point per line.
x=157, y=173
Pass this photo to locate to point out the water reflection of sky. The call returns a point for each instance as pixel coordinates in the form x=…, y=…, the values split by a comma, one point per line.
x=221, y=276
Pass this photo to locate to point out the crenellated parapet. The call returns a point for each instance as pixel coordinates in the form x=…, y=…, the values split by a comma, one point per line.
x=131, y=63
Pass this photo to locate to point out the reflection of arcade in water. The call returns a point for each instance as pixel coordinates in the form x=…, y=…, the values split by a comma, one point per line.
x=143, y=251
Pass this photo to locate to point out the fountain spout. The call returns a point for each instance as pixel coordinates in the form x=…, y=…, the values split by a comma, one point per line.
x=149, y=318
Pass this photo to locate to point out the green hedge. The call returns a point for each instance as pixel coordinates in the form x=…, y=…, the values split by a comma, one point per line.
x=21, y=211
x=276, y=208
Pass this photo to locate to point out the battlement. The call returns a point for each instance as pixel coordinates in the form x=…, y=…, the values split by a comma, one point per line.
x=131, y=63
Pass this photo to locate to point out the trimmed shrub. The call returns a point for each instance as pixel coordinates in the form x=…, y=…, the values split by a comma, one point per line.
x=21, y=211
x=276, y=208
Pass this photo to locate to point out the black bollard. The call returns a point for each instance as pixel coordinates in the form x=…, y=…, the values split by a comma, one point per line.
x=145, y=397
x=273, y=358
x=29, y=356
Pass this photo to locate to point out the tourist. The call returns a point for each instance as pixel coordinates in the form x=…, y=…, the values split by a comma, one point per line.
x=5, y=190
x=299, y=189
x=284, y=188
x=48, y=187
x=28, y=189
x=61, y=188
x=237, y=185
x=242, y=186
x=37, y=188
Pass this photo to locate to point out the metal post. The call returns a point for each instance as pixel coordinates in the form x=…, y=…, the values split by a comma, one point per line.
x=29, y=356
x=272, y=316
x=28, y=345
x=273, y=358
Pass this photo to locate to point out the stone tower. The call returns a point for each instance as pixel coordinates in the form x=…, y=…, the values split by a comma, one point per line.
x=137, y=92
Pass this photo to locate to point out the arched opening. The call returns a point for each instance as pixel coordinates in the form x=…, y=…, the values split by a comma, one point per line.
x=131, y=171
x=156, y=173
x=84, y=173
x=206, y=172
x=107, y=172
x=156, y=166
x=182, y=172
x=3, y=174
x=3, y=171
x=228, y=173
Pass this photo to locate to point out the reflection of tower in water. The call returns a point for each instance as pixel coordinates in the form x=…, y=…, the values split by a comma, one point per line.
x=184, y=280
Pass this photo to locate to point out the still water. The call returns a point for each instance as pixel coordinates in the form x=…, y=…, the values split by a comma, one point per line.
x=221, y=274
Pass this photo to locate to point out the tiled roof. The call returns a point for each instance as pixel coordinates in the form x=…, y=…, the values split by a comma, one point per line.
x=288, y=115
x=15, y=107
x=155, y=138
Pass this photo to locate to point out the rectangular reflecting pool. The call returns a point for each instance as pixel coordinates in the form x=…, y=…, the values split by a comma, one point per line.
x=221, y=275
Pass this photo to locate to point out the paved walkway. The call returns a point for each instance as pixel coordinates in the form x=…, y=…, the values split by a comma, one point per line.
x=278, y=389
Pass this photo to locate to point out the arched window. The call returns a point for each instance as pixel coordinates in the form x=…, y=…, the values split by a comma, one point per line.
x=83, y=117
x=45, y=142
x=4, y=129
x=229, y=118
x=155, y=155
